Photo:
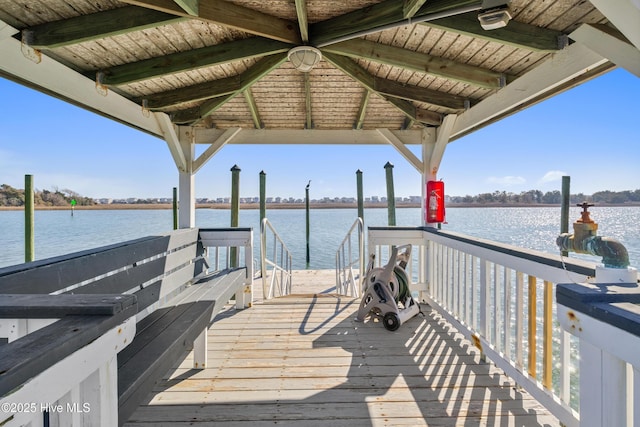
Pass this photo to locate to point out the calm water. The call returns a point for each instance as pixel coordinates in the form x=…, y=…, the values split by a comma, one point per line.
x=57, y=232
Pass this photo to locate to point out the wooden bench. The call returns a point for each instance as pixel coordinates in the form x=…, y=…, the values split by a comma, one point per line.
x=175, y=299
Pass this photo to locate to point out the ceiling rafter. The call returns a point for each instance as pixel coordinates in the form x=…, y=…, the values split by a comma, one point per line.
x=360, y=75
x=362, y=111
x=248, y=78
x=232, y=15
x=411, y=7
x=403, y=91
x=381, y=16
x=197, y=92
x=95, y=26
x=253, y=109
x=516, y=34
x=303, y=23
x=189, y=6
x=307, y=102
x=420, y=62
x=190, y=60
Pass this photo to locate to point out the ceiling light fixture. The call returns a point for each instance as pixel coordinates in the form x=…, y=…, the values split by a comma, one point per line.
x=304, y=58
x=494, y=14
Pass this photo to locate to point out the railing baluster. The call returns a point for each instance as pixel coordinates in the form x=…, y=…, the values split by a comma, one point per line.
x=531, y=334
x=497, y=315
x=507, y=312
x=519, y=319
x=547, y=357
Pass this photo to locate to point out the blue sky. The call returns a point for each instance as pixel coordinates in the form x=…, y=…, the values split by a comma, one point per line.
x=591, y=133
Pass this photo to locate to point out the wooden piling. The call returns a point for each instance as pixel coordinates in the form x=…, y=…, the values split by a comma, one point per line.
x=306, y=198
x=263, y=196
x=235, y=210
x=391, y=198
x=29, y=236
x=564, y=211
x=175, y=208
x=360, y=194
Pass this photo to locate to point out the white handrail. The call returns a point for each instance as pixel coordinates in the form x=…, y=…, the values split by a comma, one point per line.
x=501, y=298
x=346, y=260
x=278, y=258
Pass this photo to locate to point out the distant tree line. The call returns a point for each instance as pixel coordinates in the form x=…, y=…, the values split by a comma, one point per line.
x=10, y=196
x=533, y=197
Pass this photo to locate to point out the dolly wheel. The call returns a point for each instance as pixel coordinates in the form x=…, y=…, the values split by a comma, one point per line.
x=391, y=321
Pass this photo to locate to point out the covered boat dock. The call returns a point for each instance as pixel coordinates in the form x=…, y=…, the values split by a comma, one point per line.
x=399, y=72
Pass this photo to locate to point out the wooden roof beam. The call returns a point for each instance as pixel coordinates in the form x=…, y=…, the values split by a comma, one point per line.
x=253, y=109
x=190, y=60
x=386, y=15
x=231, y=15
x=95, y=26
x=198, y=92
x=609, y=43
x=408, y=92
x=516, y=34
x=307, y=102
x=247, y=79
x=565, y=69
x=189, y=6
x=420, y=62
x=369, y=82
x=303, y=22
x=362, y=111
x=411, y=7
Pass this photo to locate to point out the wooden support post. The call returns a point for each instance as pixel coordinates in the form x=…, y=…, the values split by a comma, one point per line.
x=263, y=215
x=175, y=208
x=391, y=198
x=564, y=212
x=360, y=194
x=235, y=211
x=29, y=238
x=306, y=198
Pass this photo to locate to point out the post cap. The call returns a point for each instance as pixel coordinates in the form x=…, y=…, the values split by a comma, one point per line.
x=235, y=168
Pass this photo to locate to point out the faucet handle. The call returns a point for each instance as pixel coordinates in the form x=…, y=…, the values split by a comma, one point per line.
x=585, y=211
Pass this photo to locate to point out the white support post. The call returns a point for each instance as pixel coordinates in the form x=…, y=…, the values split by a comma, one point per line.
x=432, y=153
x=200, y=351
x=186, y=185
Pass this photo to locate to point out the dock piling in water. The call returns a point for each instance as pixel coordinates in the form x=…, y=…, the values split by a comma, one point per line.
x=235, y=210
x=391, y=198
x=360, y=194
x=29, y=237
x=564, y=212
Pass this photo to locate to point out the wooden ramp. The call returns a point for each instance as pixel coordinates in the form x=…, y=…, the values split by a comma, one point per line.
x=302, y=360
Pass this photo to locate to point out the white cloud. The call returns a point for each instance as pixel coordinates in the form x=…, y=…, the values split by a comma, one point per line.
x=552, y=176
x=506, y=180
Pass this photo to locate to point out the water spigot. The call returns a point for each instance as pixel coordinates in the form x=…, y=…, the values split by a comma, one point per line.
x=585, y=240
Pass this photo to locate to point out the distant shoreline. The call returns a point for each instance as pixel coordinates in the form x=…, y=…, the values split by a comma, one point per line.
x=271, y=206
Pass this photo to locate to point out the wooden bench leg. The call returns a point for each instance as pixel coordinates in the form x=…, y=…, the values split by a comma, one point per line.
x=200, y=351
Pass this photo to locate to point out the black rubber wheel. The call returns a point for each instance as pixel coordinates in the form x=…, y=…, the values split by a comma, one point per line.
x=391, y=321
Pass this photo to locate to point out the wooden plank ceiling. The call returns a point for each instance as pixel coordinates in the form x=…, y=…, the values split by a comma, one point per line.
x=219, y=64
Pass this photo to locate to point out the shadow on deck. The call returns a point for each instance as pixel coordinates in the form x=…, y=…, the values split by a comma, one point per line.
x=303, y=360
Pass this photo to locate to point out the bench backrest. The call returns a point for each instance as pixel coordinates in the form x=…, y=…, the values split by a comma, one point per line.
x=153, y=268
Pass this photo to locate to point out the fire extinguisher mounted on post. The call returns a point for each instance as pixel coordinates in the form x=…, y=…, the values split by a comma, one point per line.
x=435, y=202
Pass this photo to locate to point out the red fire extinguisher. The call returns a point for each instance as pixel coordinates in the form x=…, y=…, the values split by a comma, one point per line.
x=435, y=201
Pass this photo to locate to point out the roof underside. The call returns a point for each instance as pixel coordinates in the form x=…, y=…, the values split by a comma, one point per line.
x=223, y=64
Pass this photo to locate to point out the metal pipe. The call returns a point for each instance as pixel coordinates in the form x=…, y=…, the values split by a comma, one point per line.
x=585, y=241
x=360, y=194
x=175, y=208
x=613, y=253
x=306, y=198
x=564, y=210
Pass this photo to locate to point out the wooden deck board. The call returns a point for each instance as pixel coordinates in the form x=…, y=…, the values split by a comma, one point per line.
x=304, y=361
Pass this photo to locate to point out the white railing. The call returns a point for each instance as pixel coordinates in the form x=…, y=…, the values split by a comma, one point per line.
x=501, y=298
x=604, y=316
x=274, y=255
x=350, y=256
x=221, y=252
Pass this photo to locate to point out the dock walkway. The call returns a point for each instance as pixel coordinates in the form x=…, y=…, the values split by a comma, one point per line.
x=302, y=360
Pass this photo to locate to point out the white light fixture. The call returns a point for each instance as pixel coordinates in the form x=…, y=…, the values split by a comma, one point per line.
x=494, y=14
x=304, y=58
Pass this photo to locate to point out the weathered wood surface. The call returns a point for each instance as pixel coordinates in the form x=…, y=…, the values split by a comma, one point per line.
x=303, y=360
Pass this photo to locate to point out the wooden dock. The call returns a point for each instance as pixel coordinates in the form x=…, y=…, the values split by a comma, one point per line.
x=302, y=360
